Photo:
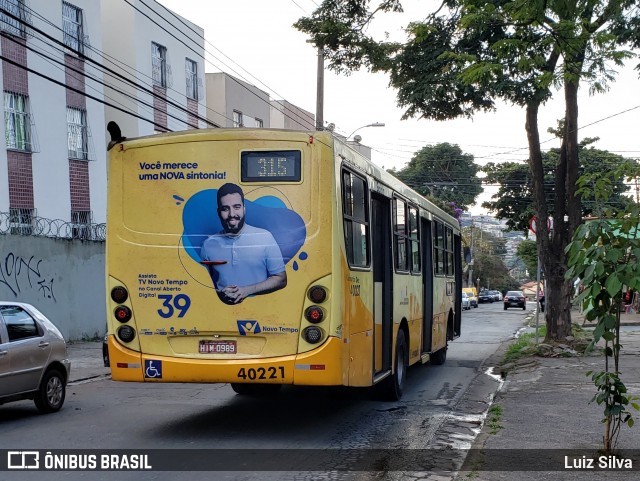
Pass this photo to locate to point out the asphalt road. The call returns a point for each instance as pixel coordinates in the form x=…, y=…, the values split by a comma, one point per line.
x=105, y=415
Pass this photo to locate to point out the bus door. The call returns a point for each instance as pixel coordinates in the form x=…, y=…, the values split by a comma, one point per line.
x=382, y=281
x=427, y=284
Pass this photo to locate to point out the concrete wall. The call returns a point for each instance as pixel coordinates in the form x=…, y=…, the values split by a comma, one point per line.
x=65, y=279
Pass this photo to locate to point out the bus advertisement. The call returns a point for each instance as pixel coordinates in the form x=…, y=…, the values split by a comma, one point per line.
x=261, y=257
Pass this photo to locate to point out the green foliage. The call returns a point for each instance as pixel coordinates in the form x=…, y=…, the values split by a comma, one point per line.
x=467, y=54
x=604, y=256
x=443, y=172
x=528, y=252
x=514, y=200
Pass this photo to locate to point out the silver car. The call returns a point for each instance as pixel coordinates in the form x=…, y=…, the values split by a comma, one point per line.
x=33, y=358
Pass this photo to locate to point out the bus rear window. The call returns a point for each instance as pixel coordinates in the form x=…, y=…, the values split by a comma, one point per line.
x=271, y=166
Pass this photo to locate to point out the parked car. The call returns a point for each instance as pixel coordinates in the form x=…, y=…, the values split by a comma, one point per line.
x=497, y=296
x=484, y=296
x=33, y=358
x=515, y=299
x=473, y=300
x=466, y=302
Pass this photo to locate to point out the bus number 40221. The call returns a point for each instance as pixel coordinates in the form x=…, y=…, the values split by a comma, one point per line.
x=261, y=373
x=170, y=304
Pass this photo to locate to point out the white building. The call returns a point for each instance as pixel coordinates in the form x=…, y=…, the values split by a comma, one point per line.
x=161, y=57
x=50, y=164
x=68, y=68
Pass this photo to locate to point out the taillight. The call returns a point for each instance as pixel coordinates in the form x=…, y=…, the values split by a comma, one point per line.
x=126, y=333
x=119, y=294
x=317, y=294
x=314, y=314
x=122, y=313
x=312, y=334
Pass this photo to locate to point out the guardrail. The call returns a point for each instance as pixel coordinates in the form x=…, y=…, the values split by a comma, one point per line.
x=53, y=228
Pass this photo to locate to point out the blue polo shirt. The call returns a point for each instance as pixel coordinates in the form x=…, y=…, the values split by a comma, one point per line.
x=251, y=256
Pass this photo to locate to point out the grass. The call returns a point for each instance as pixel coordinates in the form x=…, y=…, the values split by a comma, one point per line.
x=493, y=418
x=524, y=346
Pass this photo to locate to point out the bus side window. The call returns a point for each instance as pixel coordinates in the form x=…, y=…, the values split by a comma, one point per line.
x=356, y=219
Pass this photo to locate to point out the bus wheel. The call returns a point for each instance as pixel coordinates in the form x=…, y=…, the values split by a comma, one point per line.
x=394, y=384
x=439, y=357
x=255, y=389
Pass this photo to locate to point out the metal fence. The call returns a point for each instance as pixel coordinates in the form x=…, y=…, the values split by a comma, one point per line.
x=57, y=229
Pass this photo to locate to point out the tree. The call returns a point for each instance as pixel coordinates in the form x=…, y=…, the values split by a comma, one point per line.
x=528, y=252
x=515, y=202
x=443, y=172
x=470, y=53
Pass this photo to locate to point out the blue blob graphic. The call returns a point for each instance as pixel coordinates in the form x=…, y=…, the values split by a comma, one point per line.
x=200, y=220
x=295, y=265
x=303, y=256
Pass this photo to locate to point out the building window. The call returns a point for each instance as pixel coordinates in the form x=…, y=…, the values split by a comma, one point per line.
x=81, y=224
x=259, y=123
x=77, y=137
x=10, y=25
x=237, y=119
x=191, y=72
x=356, y=219
x=73, y=35
x=159, y=64
x=17, y=122
x=21, y=221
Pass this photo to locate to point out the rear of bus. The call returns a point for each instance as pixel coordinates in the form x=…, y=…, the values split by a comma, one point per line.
x=171, y=258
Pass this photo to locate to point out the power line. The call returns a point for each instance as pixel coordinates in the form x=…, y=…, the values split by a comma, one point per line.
x=73, y=89
x=300, y=119
x=107, y=69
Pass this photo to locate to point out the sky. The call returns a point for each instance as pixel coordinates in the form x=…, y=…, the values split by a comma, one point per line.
x=254, y=40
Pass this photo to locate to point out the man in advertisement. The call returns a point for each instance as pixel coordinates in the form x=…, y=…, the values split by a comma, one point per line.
x=243, y=260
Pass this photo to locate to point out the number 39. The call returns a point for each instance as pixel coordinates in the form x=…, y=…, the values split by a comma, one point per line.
x=181, y=302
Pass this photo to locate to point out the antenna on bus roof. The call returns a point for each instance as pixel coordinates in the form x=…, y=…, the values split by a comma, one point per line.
x=116, y=134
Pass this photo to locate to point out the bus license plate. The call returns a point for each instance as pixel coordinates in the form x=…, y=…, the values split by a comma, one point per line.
x=218, y=347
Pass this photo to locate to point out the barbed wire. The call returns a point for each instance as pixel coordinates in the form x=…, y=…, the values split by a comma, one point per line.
x=52, y=228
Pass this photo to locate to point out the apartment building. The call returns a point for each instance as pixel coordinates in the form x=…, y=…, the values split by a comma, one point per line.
x=51, y=166
x=161, y=57
x=68, y=68
x=232, y=102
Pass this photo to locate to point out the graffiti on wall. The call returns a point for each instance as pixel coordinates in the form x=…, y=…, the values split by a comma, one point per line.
x=18, y=273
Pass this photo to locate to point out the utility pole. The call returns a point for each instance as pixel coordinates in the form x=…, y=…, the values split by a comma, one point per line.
x=320, y=90
x=470, y=281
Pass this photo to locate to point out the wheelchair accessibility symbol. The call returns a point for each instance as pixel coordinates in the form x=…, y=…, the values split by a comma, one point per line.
x=153, y=369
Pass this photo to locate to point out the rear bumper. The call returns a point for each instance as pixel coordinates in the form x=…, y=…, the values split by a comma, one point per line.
x=320, y=367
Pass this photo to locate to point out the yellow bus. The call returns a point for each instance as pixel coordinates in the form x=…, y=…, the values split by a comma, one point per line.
x=263, y=257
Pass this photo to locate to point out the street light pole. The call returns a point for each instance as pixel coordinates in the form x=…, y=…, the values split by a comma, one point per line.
x=374, y=124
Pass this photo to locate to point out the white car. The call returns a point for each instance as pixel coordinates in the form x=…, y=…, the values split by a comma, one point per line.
x=466, y=302
x=33, y=357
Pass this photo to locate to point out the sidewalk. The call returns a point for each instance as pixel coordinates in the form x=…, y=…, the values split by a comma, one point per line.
x=86, y=361
x=547, y=411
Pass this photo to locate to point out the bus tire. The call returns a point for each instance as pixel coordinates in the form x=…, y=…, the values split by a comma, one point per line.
x=255, y=389
x=393, y=386
x=439, y=357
